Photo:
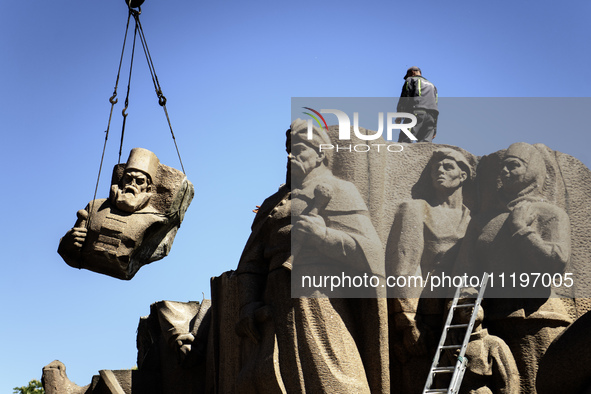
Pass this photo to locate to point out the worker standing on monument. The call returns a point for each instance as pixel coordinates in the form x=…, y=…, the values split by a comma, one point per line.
x=418, y=97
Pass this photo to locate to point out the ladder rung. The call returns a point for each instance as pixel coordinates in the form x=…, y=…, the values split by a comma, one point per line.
x=465, y=305
x=451, y=347
x=458, y=326
x=444, y=369
x=458, y=371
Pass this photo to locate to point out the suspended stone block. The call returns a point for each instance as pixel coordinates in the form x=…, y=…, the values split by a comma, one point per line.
x=136, y=225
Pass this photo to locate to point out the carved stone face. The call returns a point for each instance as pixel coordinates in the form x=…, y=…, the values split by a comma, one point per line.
x=447, y=174
x=514, y=175
x=133, y=192
x=302, y=160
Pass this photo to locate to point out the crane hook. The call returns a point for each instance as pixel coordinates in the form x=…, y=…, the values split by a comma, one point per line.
x=134, y=3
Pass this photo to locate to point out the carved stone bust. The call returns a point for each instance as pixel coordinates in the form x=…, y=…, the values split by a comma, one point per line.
x=136, y=225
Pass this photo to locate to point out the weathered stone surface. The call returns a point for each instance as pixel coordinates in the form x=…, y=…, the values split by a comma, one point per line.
x=55, y=380
x=172, y=346
x=113, y=382
x=223, y=357
x=523, y=234
x=260, y=339
x=309, y=344
x=566, y=365
x=491, y=366
x=136, y=225
x=567, y=185
x=424, y=241
x=386, y=179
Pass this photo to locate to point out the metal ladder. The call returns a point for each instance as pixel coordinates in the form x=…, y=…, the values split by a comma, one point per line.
x=461, y=364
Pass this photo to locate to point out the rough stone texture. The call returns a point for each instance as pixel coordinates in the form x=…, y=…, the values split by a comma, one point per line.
x=117, y=239
x=424, y=240
x=521, y=232
x=223, y=356
x=310, y=344
x=566, y=365
x=55, y=380
x=386, y=179
x=113, y=382
x=256, y=302
x=172, y=346
x=568, y=186
x=491, y=367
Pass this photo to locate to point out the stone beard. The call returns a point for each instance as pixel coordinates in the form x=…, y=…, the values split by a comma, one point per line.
x=129, y=198
x=133, y=191
x=135, y=225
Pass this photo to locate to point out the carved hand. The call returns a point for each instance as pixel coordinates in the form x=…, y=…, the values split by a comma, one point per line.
x=183, y=344
x=312, y=226
x=522, y=216
x=77, y=235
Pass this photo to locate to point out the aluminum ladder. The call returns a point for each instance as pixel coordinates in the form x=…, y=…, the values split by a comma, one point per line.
x=458, y=370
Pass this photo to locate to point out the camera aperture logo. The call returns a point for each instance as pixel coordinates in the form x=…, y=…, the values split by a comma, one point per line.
x=345, y=129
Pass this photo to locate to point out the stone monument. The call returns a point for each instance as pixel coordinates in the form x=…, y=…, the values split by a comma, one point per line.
x=434, y=210
x=136, y=225
x=312, y=343
x=424, y=240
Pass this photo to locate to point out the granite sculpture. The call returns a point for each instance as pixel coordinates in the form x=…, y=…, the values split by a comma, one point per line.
x=314, y=343
x=530, y=235
x=566, y=364
x=172, y=346
x=424, y=240
x=136, y=225
x=515, y=207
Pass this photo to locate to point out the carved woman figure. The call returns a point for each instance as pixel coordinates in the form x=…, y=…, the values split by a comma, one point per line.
x=423, y=241
x=529, y=236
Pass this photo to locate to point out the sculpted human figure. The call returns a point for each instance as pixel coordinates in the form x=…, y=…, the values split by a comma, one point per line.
x=529, y=236
x=424, y=240
x=116, y=236
x=310, y=344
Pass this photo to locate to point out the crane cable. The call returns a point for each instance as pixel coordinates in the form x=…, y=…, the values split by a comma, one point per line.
x=161, y=97
x=113, y=99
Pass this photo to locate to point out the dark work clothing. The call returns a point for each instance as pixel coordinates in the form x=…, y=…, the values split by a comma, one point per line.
x=418, y=93
x=425, y=128
x=419, y=97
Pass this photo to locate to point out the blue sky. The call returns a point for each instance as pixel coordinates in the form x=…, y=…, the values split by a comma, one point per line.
x=229, y=70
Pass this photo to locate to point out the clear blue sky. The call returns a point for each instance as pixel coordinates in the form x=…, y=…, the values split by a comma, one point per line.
x=229, y=70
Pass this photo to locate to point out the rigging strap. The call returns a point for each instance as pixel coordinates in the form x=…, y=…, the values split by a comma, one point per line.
x=113, y=99
x=159, y=94
x=123, y=112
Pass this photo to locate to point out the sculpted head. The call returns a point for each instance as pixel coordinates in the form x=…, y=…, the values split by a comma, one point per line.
x=523, y=167
x=137, y=183
x=449, y=169
x=304, y=155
